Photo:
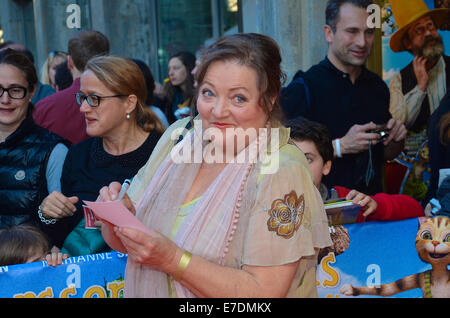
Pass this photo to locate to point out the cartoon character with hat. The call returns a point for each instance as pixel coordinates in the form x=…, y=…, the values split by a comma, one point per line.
x=407, y=13
x=417, y=90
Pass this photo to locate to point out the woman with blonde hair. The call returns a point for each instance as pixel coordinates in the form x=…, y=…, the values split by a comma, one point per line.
x=124, y=132
x=48, y=71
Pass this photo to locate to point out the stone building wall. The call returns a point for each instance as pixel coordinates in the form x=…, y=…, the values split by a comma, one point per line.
x=132, y=28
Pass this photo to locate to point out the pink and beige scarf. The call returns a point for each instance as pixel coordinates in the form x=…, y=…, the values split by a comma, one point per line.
x=207, y=231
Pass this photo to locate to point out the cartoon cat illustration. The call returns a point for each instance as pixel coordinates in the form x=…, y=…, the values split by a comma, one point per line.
x=433, y=247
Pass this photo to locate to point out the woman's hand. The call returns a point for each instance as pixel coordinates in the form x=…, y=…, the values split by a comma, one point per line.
x=154, y=250
x=111, y=193
x=367, y=204
x=205, y=278
x=159, y=90
x=58, y=206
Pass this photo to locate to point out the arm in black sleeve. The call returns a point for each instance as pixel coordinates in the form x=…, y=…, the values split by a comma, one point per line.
x=436, y=149
x=295, y=98
x=58, y=232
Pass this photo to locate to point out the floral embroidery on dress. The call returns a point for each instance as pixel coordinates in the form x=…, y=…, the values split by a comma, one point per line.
x=286, y=215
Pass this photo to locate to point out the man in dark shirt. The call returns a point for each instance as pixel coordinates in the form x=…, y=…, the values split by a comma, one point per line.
x=350, y=100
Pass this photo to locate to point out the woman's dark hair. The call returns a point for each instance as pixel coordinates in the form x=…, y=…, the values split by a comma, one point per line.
x=188, y=60
x=19, y=243
x=149, y=80
x=256, y=51
x=23, y=63
x=303, y=129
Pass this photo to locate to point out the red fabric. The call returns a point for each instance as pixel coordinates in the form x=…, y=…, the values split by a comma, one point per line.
x=391, y=207
x=60, y=113
x=395, y=174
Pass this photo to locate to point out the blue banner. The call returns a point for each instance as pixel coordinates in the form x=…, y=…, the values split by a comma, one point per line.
x=379, y=253
x=371, y=254
x=90, y=276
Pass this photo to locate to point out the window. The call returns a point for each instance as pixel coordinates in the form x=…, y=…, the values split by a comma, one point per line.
x=190, y=25
x=229, y=16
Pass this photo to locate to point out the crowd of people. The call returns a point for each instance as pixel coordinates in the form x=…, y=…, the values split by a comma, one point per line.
x=216, y=228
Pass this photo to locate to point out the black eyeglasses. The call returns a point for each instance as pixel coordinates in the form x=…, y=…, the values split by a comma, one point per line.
x=16, y=92
x=92, y=100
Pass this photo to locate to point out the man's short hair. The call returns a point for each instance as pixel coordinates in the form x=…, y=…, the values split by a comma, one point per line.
x=334, y=7
x=303, y=129
x=86, y=45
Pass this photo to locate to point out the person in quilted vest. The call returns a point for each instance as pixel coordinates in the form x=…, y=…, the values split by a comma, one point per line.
x=31, y=157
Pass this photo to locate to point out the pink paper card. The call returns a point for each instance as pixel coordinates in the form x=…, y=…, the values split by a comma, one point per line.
x=116, y=213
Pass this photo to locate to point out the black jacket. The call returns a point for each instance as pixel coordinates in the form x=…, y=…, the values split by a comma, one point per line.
x=23, y=162
x=439, y=153
x=334, y=101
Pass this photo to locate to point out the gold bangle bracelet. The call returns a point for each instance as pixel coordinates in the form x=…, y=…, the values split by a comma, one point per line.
x=182, y=265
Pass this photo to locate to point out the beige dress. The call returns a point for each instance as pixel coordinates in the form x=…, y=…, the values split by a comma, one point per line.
x=284, y=222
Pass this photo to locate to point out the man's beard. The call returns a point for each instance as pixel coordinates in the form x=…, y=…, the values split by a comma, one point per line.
x=432, y=48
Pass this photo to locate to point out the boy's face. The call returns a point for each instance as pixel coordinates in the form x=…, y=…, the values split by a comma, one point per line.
x=317, y=166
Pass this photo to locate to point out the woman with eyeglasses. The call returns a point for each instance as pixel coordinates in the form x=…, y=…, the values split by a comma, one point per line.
x=124, y=132
x=31, y=157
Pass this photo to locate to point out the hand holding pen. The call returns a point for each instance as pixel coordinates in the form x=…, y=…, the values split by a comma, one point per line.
x=117, y=192
x=113, y=191
x=124, y=189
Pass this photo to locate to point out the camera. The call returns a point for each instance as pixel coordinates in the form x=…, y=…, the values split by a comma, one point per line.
x=381, y=130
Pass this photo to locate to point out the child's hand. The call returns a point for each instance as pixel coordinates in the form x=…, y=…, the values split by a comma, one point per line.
x=367, y=204
x=55, y=257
